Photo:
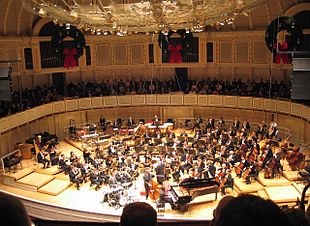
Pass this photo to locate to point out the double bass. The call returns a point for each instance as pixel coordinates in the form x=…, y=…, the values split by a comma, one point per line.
x=154, y=190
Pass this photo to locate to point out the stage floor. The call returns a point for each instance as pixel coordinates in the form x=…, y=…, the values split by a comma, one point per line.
x=89, y=200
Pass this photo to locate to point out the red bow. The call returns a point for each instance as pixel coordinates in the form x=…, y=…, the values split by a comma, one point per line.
x=175, y=55
x=69, y=59
x=280, y=56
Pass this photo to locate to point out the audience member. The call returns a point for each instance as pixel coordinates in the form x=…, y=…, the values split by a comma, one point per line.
x=297, y=216
x=251, y=210
x=12, y=211
x=222, y=203
x=138, y=214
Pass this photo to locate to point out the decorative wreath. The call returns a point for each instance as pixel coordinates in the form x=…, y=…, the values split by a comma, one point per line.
x=74, y=33
x=186, y=39
x=283, y=23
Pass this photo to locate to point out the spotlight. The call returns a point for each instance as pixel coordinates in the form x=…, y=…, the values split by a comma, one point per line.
x=187, y=30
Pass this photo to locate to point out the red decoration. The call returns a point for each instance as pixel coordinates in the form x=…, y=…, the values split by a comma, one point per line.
x=279, y=56
x=175, y=55
x=69, y=58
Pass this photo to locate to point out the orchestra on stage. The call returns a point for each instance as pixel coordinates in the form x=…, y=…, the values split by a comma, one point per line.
x=175, y=164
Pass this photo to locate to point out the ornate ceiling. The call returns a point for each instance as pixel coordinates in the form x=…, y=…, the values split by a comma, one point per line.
x=15, y=20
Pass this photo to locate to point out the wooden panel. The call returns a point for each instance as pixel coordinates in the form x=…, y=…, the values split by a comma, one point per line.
x=71, y=105
x=136, y=54
x=110, y=101
x=97, y=102
x=203, y=100
x=260, y=53
x=31, y=114
x=305, y=111
x=163, y=99
x=242, y=52
x=124, y=100
x=103, y=55
x=151, y=99
x=120, y=54
x=284, y=106
x=190, y=100
x=40, y=111
x=215, y=100
x=226, y=52
x=85, y=103
x=245, y=102
x=4, y=125
x=296, y=109
x=48, y=109
x=270, y=105
x=176, y=99
x=138, y=100
x=13, y=121
x=230, y=101
x=258, y=103
x=59, y=107
x=22, y=118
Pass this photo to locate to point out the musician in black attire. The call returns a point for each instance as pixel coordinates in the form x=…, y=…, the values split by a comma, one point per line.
x=62, y=163
x=253, y=173
x=197, y=123
x=147, y=179
x=102, y=123
x=41, y=157
x=94, y=179
x=210, y=170
x=73, y=175
x=130, y=123
x=160, y=171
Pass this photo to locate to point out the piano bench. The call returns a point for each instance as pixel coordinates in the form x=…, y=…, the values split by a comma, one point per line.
x=160, y=206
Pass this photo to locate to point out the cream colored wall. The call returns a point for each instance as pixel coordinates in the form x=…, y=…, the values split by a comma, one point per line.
x=238, y=54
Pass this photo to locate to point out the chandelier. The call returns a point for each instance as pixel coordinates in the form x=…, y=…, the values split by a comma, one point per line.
x=132, y=16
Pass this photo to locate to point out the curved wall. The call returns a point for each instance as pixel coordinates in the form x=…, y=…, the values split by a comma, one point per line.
x=55, y=117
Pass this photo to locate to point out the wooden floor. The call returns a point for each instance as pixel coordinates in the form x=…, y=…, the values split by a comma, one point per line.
x=56, y=190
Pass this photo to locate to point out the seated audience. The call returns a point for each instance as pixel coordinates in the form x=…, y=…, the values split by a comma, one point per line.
x=138, y=214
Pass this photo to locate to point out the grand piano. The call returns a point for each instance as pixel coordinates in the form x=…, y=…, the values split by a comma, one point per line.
x=190, y=188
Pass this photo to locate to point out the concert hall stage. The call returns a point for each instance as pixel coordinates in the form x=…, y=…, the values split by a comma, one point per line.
x=48, y=194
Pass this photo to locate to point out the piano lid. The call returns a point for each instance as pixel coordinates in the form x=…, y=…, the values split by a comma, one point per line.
x=195, y=183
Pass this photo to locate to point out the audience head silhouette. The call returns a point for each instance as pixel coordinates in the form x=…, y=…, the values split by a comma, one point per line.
x=12, y=211
x=297, y=216
x=251, y=210
x=138, y=214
